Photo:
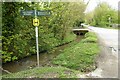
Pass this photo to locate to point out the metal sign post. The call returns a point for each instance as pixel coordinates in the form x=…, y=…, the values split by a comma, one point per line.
x=36, y=30
x=36, y=24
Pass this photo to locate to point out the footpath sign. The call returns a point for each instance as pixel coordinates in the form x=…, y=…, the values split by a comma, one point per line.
x=43, y=13
x=36, y=23
x=36, y=13
x=27, y=13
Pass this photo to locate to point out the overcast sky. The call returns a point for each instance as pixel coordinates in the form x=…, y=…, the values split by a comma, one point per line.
x=93, y=4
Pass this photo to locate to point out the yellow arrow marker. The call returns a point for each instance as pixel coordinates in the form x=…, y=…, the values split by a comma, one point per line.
x=36, y=22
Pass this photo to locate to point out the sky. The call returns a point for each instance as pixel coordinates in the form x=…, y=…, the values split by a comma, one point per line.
x=93, y=3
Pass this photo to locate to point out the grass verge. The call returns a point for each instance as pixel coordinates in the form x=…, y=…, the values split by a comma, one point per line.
x=44, y=72
x=80, y=56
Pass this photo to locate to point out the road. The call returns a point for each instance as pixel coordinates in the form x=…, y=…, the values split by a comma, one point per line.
x=107, y=60
x=109, y=36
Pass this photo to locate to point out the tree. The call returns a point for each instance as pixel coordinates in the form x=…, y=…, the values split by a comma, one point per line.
x=103, y=15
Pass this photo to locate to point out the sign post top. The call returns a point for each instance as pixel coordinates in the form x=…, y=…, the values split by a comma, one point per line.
x=43, y=13
x=36, y=13
x=27, y=13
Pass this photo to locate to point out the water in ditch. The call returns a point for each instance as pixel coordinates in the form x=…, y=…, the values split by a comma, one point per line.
x=31, y=61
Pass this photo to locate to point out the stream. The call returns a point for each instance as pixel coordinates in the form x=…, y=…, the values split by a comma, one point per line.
x=31, y=61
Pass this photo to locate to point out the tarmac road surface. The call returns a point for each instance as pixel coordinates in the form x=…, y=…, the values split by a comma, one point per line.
x=108, y=59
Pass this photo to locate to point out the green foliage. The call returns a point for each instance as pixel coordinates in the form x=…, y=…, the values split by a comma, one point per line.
x=44, y=72
x=102, y=16
x=18, y=33
x=6, y=57
x=90, y=38
x=90, y=34
x=80, y=56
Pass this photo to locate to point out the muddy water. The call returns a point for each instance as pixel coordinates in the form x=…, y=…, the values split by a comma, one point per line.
x=31, y=61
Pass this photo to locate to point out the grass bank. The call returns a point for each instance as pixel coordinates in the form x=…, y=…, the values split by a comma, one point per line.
x=45, y=72
x=80, y=56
